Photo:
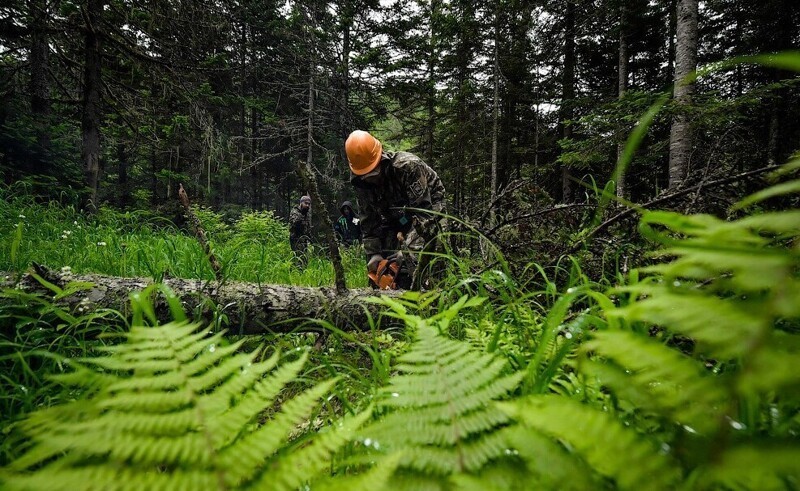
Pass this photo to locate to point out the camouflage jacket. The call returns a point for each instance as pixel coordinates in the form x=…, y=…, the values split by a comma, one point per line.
x=408, y=182
x=299, y=223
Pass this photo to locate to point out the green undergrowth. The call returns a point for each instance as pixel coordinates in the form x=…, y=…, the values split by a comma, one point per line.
x=254, y=248
x=679, y=375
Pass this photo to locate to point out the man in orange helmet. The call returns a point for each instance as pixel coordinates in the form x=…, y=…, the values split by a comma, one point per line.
x=389, y=185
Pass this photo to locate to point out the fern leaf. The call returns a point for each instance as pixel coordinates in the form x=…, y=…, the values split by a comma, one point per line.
x=253, y=402
x=550, y=465
x=699, y=317
x=245, y=456
x=497, y=476
x=762, y=467
x=609, y=447
x=171, y=410
x=438, y=411
x=773, y=368
x=375, y=479
x=668, y=381
x=292, y=471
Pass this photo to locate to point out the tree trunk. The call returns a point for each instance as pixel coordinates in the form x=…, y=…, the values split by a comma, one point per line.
x=784, y=34
x=90, y=121
x=250, y=308
x=622, y=87
x=344, y=114
x=568, y=92
x=672, y=12
x=680, y=138
x=430, y=127
x=495, y=122
x=309, y=177
x=123, y=185
x=153, y=175
x=39, y=87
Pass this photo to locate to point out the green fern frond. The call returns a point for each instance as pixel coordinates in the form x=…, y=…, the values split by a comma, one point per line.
x=697, y=316
x=667, y=380
x=601, y=440
x=762, y=467
x=551, y=466
x=498, y=476
x=379, y=477
x=773, y=367
x=174, y=409
x=745, y=254
x=294, y=468
x=438, y=410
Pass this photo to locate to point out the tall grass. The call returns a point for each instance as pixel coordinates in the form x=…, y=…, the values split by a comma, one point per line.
x=254, y=249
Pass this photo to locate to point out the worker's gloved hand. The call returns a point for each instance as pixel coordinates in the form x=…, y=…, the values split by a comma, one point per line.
x=374, y=261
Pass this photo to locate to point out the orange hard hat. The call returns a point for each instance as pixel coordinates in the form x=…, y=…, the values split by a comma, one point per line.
x=363, y=152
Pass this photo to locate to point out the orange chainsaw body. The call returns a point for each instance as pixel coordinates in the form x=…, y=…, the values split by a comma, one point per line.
x=385, y=277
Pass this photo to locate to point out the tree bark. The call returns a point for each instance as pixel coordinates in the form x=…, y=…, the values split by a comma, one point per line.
x=199, y=232
x=495, y=118
x=430, y=127
x=307, y=174
x=123, y=184
x=250, y=308
x=568, y=92
x=39, y=87
x=784, y=33
x=90, y=121
x=622, y=87
x=680, y=138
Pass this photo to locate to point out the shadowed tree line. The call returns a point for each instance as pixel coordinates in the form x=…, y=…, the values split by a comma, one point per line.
x=514, y=103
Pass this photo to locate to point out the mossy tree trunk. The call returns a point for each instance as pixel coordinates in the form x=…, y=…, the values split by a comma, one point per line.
x=250, y=308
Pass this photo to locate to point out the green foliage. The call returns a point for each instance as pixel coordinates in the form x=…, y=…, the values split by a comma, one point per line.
x=213, y=223
x=698, y=362
x=173, y=408
x=260, y=225
x=678, y=375
x=254, y=248
x=605, y=444
x=437, y=411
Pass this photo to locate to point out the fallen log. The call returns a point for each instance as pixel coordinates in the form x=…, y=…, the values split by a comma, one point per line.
x=250, y=308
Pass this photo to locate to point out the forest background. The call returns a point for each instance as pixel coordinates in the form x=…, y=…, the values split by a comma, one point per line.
x=565, y=348
x=119, y=102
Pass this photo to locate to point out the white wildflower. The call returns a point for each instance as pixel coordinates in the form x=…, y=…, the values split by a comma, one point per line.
x=102, y=244
x=64, y=236
x=22, y=216
x=75, y=222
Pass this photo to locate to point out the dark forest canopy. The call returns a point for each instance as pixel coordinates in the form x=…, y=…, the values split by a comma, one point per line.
x=123, y=100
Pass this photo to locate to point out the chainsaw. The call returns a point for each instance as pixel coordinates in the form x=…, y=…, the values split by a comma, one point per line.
x=385, y=277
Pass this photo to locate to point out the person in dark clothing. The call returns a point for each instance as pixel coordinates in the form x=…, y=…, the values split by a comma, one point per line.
x=300, y=228
x=388, y=185
x=347, y=227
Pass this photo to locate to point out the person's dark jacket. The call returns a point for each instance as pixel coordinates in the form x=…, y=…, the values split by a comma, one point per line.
x=347, y=227
x=408, y=182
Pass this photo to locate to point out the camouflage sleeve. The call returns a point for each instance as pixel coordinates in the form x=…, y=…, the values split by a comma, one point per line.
x=299, y=224
x=415, y=181
x=295, y=223
x=425, y=190
x=370, y=221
